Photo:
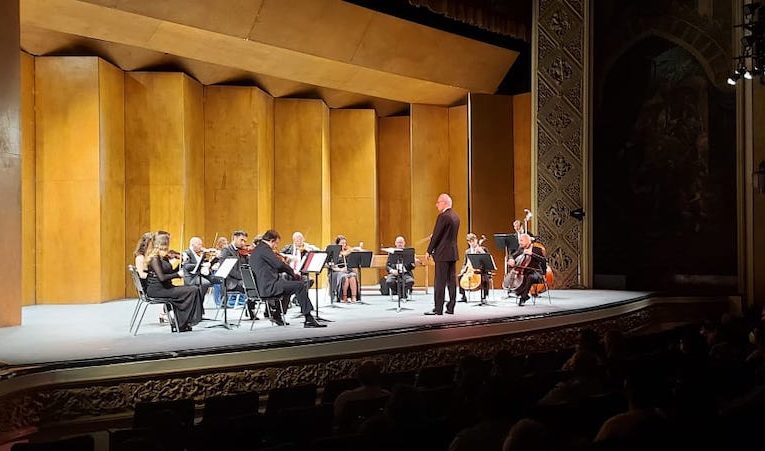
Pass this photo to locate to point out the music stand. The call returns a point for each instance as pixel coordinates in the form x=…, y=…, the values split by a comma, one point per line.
x=485, y=264
x=333, y=255
x=404, y=257
x=358, y=260
x=223, y=270
x=313, y=263
x=508, y=242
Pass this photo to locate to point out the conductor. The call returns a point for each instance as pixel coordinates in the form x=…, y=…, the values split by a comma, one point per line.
x=443, y=249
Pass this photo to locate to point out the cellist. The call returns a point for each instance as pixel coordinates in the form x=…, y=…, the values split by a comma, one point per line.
x=530, y=265
x=474, y=247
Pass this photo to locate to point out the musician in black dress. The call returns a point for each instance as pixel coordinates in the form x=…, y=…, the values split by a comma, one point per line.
x=530, y=264
x=187, y=300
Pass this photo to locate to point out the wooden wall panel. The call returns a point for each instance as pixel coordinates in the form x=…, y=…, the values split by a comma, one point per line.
x=353, y=179
x=112, y=179
x=491, y=177
x=10, y=165
x=458, y=162
x=430, y=171
x=28, y=179
x=68, y=192
x=155, y=185
x=238, y=160
x=194, y=160
x=394, y=187
x=301, y=169
x=522, y=153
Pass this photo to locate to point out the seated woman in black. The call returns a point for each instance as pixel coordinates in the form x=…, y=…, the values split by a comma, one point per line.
x=186, y=299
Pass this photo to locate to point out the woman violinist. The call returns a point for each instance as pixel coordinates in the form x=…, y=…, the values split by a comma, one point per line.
x=344, y=279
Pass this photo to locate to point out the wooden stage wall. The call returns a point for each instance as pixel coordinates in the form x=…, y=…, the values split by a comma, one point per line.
x=109, y=155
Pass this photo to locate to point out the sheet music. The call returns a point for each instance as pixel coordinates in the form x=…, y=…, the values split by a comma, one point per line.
x=314, y=261
x=225, y=268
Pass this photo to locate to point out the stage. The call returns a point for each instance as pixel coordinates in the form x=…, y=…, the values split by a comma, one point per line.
x=94, y=334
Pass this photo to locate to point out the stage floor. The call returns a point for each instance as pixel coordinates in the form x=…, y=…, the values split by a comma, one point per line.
x=96, y=334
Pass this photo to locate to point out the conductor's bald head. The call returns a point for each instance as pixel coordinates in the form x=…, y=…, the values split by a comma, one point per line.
x=444, y=201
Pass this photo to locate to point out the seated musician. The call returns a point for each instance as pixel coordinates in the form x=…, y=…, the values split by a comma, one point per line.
x=197, y=264
x=295, y=251
x=531, y=264
x=400, y=282
x=475, y=247
x=142, y=249
x=186, y=299
x=267, y=266
x=239, y=249
x=344, y=280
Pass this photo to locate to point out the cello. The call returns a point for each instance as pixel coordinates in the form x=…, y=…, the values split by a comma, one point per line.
x=470, y=280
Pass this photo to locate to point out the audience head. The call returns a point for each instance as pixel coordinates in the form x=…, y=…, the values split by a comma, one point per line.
x=369, y=373
x=400, y=242
x=144, y=245
x=527, y=435
x=239, y=239
x=405, y=405
x=470, y=371
x=588, y=340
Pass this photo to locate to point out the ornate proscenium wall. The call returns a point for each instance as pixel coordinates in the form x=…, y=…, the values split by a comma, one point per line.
x=560, y=164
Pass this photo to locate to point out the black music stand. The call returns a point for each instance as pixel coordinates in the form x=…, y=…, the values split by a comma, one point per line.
x=333, y=255
x=508, y=242
x=314, y=263
x=220, y=275
x=401, y=258
x=358, y=260
x=485, y=264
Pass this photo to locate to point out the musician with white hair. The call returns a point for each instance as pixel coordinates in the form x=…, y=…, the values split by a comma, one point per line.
x=528, y=268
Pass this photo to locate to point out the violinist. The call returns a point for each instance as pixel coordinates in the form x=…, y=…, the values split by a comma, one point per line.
x=530, y=265
x=295, y=251
x=475, y=246
x=142, y=249
x=186, y=299
x=267, y=267
x=197, y=264
x=240, y=250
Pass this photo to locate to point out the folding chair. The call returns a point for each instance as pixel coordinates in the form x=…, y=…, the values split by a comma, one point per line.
x=253, y=294
x=145, y=301
x=547, y=290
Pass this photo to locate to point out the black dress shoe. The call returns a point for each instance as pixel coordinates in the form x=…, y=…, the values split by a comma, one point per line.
x=464, y=299
x=433, y=313
x=311, y=322
x=450, y=313
x=522, y=300
x=186, y=328
x=278, y=321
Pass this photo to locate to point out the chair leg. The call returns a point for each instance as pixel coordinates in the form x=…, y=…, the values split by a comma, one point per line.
x=282, y=311
x=135, y=313
x=175, y=317
x=138, y=325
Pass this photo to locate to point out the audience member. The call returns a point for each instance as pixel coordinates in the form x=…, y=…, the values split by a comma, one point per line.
x=368, y=375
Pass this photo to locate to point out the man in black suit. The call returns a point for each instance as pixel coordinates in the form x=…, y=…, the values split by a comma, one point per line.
x=233, y=281
x=400, y=279
x=443, y=249
x=266, y=267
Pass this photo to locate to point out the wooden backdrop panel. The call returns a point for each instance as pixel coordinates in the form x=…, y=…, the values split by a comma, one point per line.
x=430, y=171
x=491, y=176
x=28, y=179
x=394, y=190
x=301, y=169
x=194, y=160
x=458, y=162
x=67, y=166
x=353, y=179
x=522, y=153
x=238, y=136
x=112, y=179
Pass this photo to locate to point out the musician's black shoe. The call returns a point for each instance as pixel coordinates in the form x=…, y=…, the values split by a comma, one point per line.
x=522, y=300
x=463, y=299
x=186, y=328
x=433, y=312
x=278, y=320
x=450, y=312
x=310, y=321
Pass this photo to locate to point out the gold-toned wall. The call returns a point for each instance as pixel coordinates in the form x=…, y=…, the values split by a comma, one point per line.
x=394, y=191
x=28, y=179
x=112, y=179
x=429, y=147
x=301, y=169
x=353, y=179
x=78, y=164
x=239, y=153
x=10, y=165
x=757, y=224
x=491, y=173
x=522, y=153
x=458, y=162
x=164, y=158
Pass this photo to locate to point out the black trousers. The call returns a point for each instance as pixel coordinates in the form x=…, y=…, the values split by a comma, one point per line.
x=528, y=280
x=446, y=278
x=298, y=288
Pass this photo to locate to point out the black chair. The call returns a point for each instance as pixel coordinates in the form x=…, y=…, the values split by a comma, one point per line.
x=144, y=301
x=390, y=380
x=177, y=415
x=290, y=397
x=253, y=294
x=219, y=409
x=435, y=376
x=136, y=440
x=358, y=411
x=79, y=443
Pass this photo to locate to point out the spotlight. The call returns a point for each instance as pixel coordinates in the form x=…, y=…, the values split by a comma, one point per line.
x=747, y=75
x=731, y=81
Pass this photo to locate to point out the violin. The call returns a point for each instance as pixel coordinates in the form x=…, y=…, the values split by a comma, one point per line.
x=246, y=250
